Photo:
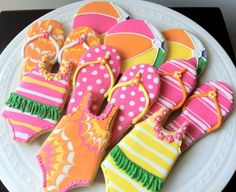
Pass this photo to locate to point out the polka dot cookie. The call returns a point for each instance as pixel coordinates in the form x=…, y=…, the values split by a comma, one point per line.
x=136, y=91
x=78, y=41
x=97, y=72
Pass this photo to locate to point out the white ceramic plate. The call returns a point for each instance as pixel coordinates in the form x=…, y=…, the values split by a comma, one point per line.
x=207, y=166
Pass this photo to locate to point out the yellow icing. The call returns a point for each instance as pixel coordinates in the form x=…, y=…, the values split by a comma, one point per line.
x=178, y=51
x=34, y=128
x=148, y=57
x=48, y=85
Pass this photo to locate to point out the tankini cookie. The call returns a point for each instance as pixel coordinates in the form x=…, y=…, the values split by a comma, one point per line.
x=99, y=15
x=77, y=42
x=182, y=44
x=71, y=155
x=38, y=102
x=142, y=160
x=44, y=37
x=137, y=41
x=96, y=72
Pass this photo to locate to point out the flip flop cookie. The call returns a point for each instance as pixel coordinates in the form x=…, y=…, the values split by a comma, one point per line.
x=78, y=41
x=44, y=37
x=71, y=155
x=137, y=42
x=205, y=111
x=182, y=44
x=97, y=72
x=99, y=15
x=135, y=93
x=142, y=160
x=38, y=102
x=178, y=78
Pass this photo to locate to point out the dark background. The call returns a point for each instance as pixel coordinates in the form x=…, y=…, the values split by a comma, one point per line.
x=209, y=18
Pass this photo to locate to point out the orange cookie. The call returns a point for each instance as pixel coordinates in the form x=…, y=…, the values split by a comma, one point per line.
x=71, y=155
x=44, y=38
x=78, y=41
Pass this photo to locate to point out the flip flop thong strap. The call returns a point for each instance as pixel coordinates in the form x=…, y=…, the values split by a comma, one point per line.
x=178, y=75
x=46, y=35
x=80, y=40
x=104, y=62
x=135, y=81
x=213, y=96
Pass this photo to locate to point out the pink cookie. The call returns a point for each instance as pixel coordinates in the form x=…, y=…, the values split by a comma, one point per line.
x=137, y=41
x=178, y=78
x=38, y=102
x=205, y=111
x=99, y=15
x=136, y=91
x=97, y=72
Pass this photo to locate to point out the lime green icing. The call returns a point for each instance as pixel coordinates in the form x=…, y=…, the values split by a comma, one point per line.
x=160, y=58
x=147, y=179
x=41, y=110
x=201, y=65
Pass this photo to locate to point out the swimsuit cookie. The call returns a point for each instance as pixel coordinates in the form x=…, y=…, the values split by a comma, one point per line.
x=182, y=44
x=44, y=38
x=38, y=102
x=99, y=15
x=137, y=42
x=71, y=155
x=142, y=160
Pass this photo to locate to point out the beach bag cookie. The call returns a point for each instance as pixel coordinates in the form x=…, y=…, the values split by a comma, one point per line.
x=136, y=91
x=71, y=155
x=142, y=160
x=205, y=111
x=182, y=44
x=96, y=72
x=99, y=15
x=137, y=41
x=178, y=78
x=77, y=42
x=44, y=37
x=38, y=102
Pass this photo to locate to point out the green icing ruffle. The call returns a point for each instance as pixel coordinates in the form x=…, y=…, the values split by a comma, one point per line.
x=147, y=179
x=41, y=110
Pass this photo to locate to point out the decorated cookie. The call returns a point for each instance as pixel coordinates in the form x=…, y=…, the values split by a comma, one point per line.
x=97, y=72
x=37, y=104
x=71, y=155
x=78, y=41
x=137, y=42
x=205, y=111
x=99, y=15
x=181, y=44
x=135, y=93
x=178, y=78
x=142, y=160
x=44, y=38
